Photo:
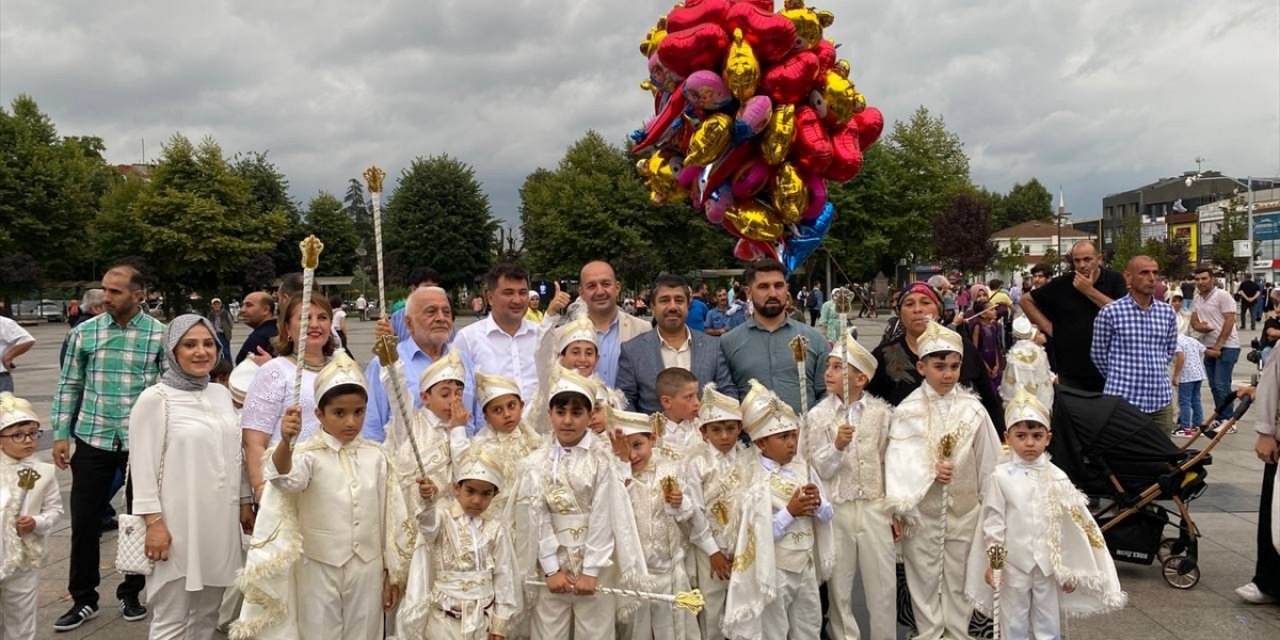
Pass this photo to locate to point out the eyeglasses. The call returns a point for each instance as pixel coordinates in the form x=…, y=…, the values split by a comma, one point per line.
x=20, y=437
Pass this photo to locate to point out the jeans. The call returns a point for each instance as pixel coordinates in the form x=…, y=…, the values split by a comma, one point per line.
x=226, y=348
x=92, y=471
x=1190, y=413
x=6, y=382
x=1218, y=372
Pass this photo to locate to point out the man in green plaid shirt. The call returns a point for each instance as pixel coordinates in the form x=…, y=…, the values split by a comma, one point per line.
x=109, y=361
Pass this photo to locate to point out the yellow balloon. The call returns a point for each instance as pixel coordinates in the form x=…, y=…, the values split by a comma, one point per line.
x=741, y=69
x=659, y=175
x=809, y=23
x=778, y=133
x=649, y=45
x=790, y=196
x=754, y=221
x=710, y=140
x=839, y=96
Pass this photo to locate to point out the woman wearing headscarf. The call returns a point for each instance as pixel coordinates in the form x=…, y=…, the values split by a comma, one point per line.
x=188, y=484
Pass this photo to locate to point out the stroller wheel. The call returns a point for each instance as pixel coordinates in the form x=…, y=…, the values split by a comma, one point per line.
x=1169, y=549
x=1181, y=572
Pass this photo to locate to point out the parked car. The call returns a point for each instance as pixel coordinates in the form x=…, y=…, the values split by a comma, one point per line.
x=51, y=311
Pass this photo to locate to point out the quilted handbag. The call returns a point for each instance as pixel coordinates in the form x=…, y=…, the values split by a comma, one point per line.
x=131, y=541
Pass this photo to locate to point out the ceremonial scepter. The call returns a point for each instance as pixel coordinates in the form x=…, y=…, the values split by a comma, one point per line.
x=311, y=248
x=946, y=448
x=843, y=299
x=26, y=482
x=690, y=601
x=373, y=177
x=996, y=555
x=799, y=352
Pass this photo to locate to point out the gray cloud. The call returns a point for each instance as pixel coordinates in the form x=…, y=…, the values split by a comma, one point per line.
x=1096, y=95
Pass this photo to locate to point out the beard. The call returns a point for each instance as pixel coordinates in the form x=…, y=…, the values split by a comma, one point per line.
x=770, y=309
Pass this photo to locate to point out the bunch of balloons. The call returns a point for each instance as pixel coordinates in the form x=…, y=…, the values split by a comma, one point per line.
x=753, y=114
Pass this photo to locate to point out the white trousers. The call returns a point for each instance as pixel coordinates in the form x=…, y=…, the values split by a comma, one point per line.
x=796, y=614
x=1029, y=605
x=229, y=610
x=18, y=605
x=557, y=616
x=340, y=603
x=178, y=614
x=441, y=625
x=945, y=617
x=864, y=533
x=658, y=620
x=714, y=593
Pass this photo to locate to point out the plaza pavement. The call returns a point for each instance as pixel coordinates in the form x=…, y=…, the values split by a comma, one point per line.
x=1226, y=513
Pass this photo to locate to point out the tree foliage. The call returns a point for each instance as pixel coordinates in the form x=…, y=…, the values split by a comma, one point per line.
x=1024, y=203
x=1127, y=243
x=439, y=217
x=1235, y=226
x=962, y=234
x=326, y=219
x=269, y=191
x=361, y=214
x=593, y=206
x=1011, y=259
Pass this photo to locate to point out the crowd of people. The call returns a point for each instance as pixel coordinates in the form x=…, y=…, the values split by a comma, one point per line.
x=500, y=480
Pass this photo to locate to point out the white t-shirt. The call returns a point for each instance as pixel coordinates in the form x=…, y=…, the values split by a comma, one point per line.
x=339, y=321
x=1213, y=310
x=11, y=335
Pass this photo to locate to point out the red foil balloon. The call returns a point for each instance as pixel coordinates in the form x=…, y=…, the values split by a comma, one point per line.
x=662, y=121
x=696, y=12
x=767, y=5
x=811, y=150
x=694, y=49
x=870, y=125
x=748, y=250
x=750, y=178
x=826, y=52
x=787, y=83
x=846, y=156
x=772, y=36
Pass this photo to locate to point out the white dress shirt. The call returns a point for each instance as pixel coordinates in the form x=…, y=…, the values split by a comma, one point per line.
x=494, y=352
x=673, y=356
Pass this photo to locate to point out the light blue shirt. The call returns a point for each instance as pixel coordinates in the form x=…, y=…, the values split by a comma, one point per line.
x=415, y=362
x=610, y=349
x=398, y=325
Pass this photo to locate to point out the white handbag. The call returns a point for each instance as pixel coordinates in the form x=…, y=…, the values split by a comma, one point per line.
x=131, y=539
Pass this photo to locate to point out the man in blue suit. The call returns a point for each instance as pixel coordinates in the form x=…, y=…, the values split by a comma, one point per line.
x=671, y=345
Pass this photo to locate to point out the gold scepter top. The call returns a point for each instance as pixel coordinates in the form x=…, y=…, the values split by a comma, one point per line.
x=373, y=176
x=996, y=555
x=27, y=478
x=691, y=601
x=843, y=299
x=947, y=446
x=385, y=349
x=669, y=485
x=658, y=423
x=311, y=248
x=799, y=348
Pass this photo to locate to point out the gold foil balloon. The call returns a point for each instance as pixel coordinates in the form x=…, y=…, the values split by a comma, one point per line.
x=649, y=45
x=710, y=140
x=753, y=220
x=660, y=172
x=790, y=197
x=809, y=23
x=741, y=70
x=838, y=101
x=776, y=141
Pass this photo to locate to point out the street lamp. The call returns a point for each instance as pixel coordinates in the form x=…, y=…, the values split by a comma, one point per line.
x=1248, y=186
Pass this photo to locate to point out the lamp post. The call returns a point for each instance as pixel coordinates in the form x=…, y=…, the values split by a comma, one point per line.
x=1248, y=186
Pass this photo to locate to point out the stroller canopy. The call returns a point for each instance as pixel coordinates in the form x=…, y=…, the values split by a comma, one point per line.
x=1094, y=432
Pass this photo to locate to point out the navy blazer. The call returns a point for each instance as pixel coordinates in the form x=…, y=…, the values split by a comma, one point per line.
x=641, y=361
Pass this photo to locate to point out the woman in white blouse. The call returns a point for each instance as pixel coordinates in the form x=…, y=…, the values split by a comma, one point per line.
x=271, y=391
x=188, y=484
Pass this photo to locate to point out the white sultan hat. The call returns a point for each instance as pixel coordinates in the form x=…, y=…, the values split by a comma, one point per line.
x=765, y=414
x=567, y=380
x=580, y=329
x=1023, y=329
x=1025, y=407
x=716, y=406
x=489, y=387
x=480, y=464
x=852, y=352
x=936, y=339
x=449, y=367
x=632, y=423
x=241, y=378
x=341, y=370
x=14, y=410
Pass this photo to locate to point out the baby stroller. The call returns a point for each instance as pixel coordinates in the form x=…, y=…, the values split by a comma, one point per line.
x=1139, y=480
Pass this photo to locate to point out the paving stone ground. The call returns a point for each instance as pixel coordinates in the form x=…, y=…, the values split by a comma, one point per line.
x=1226, y=514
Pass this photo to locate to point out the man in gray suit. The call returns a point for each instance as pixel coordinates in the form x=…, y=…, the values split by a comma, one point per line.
x=671, y=345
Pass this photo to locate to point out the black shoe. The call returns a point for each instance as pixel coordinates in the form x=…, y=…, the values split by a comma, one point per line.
x=110, y=524
x=131, y=609
x=78, y=615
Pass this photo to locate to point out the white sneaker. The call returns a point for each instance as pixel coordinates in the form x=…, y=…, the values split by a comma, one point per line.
x=1251, y=594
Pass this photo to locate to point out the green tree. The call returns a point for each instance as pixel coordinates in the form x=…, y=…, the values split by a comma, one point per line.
x=593, y=206
x=269, y=189
x=1235, y=226
x=1011, y=259
x=962, y=234
x=1024, y=203
x=439, y=217
x=1052, y=258
x=1127, y=243
x=361, y=214
x=1177, y=259
x=328, y=221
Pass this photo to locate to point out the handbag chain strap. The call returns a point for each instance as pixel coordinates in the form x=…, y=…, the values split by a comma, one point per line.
x=164, y=450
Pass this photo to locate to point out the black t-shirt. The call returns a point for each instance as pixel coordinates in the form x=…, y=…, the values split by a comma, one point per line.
x=261, y=337
x=1249, y=288
x=1072, y=314
x=1271, y=323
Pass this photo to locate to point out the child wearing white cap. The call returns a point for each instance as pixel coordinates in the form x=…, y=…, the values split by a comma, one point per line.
x=941, y=436
x=30, y=504
x=845, y=442
x=574, y=345
x=581, y=518
x=1027, y=365
x=657, y=491
x=467, y=583
x=1057, y=559
x=331, y=549
x=784, y=547
x=440, y=426
x=717, y=471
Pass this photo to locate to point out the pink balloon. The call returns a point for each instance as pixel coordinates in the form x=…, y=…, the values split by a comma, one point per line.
x=755, y=113
x=688, y=176
x=751, y=178
x=718, y=204
x=817, y=197
x=706, y=90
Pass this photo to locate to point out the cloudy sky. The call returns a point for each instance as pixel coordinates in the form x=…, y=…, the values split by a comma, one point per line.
x=1096, y=95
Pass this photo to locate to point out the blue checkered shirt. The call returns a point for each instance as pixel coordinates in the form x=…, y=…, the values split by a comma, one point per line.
x=1132, y=347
